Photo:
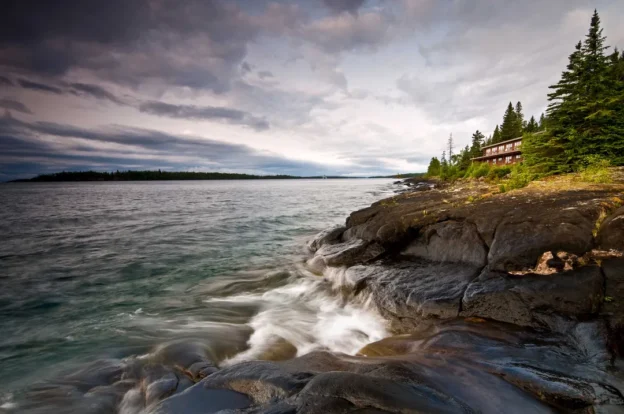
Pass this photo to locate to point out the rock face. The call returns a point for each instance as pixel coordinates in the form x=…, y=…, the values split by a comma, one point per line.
x=611, y=234
x=450, y=241
x=529, y=300
x=411, y=292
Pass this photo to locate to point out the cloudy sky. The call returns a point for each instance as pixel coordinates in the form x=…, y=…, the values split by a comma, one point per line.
x=308, y=87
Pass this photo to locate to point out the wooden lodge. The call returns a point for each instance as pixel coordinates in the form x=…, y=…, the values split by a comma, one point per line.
x=501, y=153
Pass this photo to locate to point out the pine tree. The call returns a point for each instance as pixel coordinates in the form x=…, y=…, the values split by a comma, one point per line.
x=477, y=142
x=509, y=128
x=496, y=136
x=520, y=122
x=434, y=167
x=531, y=126
x=541, y=126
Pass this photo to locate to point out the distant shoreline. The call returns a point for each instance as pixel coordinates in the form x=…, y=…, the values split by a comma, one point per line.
x=94, y=176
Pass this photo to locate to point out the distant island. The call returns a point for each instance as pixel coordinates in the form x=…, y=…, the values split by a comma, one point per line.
x=159, y=175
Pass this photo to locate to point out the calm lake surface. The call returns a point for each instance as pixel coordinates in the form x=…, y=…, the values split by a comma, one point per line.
x=109, y=270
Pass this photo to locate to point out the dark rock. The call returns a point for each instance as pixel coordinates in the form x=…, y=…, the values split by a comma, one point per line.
x=328, y=236
x=611, y=233
x=345, y=254
x=262, y=381
x=613, y=306
x=409, y=292
x=523, y=236
x=182, y=354
x=364, y=391
x=201, y=400
x=519, y=299
x=450, y=241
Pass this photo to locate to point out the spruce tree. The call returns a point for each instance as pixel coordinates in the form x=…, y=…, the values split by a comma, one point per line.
x=531, y=126
x=496, y=136
x=542, y=123
x=434, y=167
x=520, y=122
x=509, y=128
x=477, y=143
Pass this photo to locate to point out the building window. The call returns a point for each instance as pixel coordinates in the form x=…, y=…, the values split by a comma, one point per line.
x=494, y=150
x=494, y=161
x=500, y=159
x=517, y=144
x=501, y=148
x=508, y=159
x=487, y=151
x=518, y=156
x=508, y=147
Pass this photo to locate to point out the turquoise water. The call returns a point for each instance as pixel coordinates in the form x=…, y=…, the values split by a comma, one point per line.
x=97, y=270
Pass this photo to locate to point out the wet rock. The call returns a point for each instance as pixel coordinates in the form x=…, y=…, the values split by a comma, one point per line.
x=364, y=391
x=611, y=233
x=201, y=400
x=450, y=241
x=520, y=299
x=523, y=236
x=345, y=254
x=160, y=388
x=328, y=236
x=409, y=292
x=613, y=307
x=182, y=354
x=201, y=370
x=262, y=381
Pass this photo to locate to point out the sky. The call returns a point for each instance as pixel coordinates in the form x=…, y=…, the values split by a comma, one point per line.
x=307, y=87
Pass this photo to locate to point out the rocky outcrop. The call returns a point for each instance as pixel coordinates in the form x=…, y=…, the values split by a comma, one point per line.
x=530, y=299
x=611, y=232
x=412, y=293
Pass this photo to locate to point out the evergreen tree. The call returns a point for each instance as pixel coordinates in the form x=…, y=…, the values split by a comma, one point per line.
x=542, y=123
x=477, y=142
x=509, y=128
x=434, y=167
x=496, y=136
x=531, y=126
x=520, y=122
x=451, y=146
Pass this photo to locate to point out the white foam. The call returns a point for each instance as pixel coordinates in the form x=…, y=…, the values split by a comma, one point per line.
x=311, y=315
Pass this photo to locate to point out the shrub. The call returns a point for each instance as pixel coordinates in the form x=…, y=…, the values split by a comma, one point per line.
x=496, y=173
x=595, y=169
x=520, y=177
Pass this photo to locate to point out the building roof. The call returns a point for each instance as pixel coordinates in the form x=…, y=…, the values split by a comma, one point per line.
x=501, y=143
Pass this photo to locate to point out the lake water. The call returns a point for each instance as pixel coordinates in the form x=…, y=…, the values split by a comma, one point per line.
x=97, y=270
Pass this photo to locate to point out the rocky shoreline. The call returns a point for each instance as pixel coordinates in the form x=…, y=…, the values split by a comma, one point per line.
x=498, y=302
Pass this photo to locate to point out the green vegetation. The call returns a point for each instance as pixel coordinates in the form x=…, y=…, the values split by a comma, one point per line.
x=582, y=130
x=586, y=110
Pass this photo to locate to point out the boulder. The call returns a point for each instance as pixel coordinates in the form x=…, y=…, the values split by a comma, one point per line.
x=525, y=234
x=261, y=381
x=409, y=292
x=201, y=400
x=450, y=241
x=345, y=254
x=611, y=232
x=528, y=300
x=328, y=236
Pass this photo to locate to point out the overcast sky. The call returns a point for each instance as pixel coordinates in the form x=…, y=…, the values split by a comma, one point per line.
x=308, y=87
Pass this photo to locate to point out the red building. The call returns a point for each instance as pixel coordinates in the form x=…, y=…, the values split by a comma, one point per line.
x=506, y=152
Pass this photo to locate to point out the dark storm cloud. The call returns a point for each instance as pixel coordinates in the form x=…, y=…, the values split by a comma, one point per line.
x=192, y=112
x=11, y=104
x=95, y=91
x=5, y=81
x=350, y=6
x=127, y=41
x=29, y=143
x=26, y=84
